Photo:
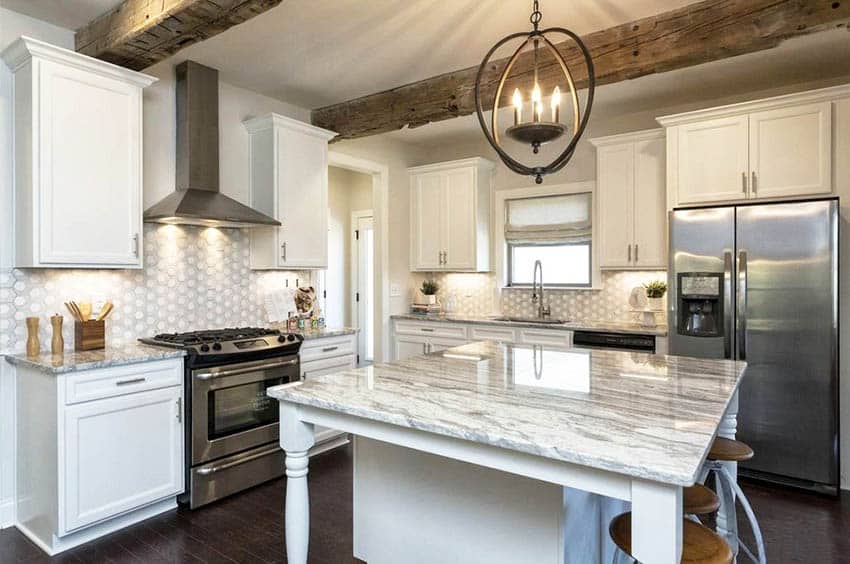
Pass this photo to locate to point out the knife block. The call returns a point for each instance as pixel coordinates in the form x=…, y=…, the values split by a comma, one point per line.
x=89, y=335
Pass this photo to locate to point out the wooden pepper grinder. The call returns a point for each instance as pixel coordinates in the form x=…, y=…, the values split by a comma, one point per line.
x=57, y=344
x=33, y=345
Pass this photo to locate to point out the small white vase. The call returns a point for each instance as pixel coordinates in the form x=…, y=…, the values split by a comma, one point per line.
x=432, y=299
x=655, y=304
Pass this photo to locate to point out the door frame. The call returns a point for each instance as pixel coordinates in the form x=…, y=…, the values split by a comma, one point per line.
x=356, y=215
x=380, y=216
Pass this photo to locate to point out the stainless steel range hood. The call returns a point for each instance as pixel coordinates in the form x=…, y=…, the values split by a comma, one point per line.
x=197, y=200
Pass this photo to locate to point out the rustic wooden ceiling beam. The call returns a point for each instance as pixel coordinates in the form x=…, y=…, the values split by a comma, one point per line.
x=139, y=33
x=695, y=34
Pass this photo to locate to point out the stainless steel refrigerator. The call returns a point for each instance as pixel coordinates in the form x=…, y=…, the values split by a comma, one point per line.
x=760, y=283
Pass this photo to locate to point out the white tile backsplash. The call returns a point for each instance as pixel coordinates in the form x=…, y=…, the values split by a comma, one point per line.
x=193, y=278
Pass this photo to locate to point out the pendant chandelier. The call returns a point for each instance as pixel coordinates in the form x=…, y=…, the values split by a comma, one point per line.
x=540, y=127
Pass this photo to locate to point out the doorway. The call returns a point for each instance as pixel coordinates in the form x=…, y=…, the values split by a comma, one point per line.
x=363, y=284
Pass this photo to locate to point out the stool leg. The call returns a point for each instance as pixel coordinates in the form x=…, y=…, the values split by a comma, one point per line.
x=727, y=522
x=751, y=516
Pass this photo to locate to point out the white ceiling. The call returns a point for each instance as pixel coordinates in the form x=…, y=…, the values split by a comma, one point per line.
x=70, y=14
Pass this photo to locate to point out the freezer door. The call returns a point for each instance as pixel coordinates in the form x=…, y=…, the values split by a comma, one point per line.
x=701, y=242
x=787, y=332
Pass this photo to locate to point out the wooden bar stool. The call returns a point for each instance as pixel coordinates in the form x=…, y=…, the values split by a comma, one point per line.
x=729, y=450
x=699, y=500
x=700, y=545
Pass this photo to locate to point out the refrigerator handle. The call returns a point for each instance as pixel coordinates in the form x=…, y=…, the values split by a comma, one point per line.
x=741, y=300
x=727, y=305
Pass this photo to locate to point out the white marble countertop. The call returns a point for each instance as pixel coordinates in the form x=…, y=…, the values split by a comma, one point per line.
x=646, y=416
x=72, y=361
x=597, y=326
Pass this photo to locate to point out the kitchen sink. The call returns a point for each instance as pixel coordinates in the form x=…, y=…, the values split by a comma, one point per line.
x=545, y=320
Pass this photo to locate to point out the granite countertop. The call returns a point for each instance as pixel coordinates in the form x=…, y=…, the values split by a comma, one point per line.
x=598, y=326
x=646, y=416
x=73, y=361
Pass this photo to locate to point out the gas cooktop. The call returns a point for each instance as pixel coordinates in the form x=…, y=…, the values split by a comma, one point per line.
x=229, y=341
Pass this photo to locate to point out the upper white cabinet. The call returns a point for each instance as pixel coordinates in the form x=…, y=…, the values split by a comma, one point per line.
x=289, y=181
x=768, y=149
x=631, y=216
x=78, y=159
x=450, y=216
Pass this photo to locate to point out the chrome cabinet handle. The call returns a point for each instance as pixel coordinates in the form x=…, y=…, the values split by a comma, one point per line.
x=636, y=253
x=445, y=258
x=329, y=349
x=180, y=410
x=742, y=305
x=130, y=381
x=426, y=329
x=630, y=253
x=136, y=245
x=744, y=181
x=283, y=251
x=753, y=184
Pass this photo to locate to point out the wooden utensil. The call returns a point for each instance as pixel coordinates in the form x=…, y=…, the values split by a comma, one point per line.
x=85, y=310
x=72, y=307
x=105, y=311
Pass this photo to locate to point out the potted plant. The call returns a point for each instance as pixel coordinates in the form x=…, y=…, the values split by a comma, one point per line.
x=429, y=290
x=655, y=291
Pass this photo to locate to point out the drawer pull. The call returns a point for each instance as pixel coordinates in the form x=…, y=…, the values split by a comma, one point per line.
x=130, y=381
x=425, y=330
x=329, y=349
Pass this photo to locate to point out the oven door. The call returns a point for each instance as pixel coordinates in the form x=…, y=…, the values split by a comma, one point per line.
x=230, y=409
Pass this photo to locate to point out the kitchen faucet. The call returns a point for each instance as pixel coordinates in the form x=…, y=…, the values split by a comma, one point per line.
x=543, y=311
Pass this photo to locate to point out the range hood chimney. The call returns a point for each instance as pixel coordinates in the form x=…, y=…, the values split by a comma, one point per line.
x=197, y=200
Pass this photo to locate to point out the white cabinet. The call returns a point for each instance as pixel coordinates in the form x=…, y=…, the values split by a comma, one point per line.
x=289, y=181
x=776, y=148
x=121, y=453
x=631, y=215
x=406, y=347
x=97, y=449
x=413, y=338
x=78, y=159
x=450, y=216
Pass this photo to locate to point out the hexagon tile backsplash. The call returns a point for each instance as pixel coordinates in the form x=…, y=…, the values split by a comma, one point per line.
x=193, y=278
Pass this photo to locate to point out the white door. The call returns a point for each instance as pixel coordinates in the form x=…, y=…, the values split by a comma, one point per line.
x=428, y=220
x=302, y=171
x=713, y=160
x=89, y=158
x=650, y=205
x=121, y=453
x=363, y=273
x=616, y=195
x=790, y=151
x=459, y=237
x=406, y=347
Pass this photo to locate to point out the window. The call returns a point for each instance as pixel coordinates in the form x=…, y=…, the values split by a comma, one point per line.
x=556, y=230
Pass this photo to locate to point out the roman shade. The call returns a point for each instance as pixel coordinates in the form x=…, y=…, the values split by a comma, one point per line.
x=549, y=219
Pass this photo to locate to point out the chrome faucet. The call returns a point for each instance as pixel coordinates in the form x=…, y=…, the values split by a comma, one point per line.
x=543, y=311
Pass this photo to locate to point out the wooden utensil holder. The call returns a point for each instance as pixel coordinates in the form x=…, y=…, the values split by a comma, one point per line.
x=89, y=335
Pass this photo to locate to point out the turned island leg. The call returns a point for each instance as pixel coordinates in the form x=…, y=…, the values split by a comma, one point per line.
x=727, y=525
x=296, y=438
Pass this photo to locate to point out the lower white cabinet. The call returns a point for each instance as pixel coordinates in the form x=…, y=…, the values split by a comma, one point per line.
x=97, y=449
x=121, y=453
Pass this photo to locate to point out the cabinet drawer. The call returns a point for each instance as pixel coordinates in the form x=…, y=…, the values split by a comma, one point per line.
x=328, y=347
x=328, y=365
x=498, y=334
x=110, y=382
x=432, y=329
x=543, y=337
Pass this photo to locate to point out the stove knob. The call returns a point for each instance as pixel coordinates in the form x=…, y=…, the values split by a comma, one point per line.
x=281, y=339
x=216, y=346
x=205, y=348
x=290, y=338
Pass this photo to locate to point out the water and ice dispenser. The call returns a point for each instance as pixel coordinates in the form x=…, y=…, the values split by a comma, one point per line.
x=700, y=304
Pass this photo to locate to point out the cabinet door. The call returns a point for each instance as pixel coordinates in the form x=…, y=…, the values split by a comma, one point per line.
x=302, y=171
x=650, y=205
x=713, y=160
x=89, y=155
x=120, y=453
x=406, y=347
x=790, y=151
x=616, y=195
x=427, y=221
x=459, y=226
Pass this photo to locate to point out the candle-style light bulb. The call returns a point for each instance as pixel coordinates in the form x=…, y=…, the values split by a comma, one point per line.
x=556, y=105
x=517, y=107
x=536, y=102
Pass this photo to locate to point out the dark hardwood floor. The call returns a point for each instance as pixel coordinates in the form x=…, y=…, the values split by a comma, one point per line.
x=248, y=528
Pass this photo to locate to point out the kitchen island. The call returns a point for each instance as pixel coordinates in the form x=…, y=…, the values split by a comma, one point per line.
x=504, y=423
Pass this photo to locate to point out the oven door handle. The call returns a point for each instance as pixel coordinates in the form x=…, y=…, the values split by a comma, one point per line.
x=207, y=470
x=234, y=372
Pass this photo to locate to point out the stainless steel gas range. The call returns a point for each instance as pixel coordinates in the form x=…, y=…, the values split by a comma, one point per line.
x=232, y=430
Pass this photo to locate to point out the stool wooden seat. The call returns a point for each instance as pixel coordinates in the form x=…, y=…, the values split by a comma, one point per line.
x=699, y=500
x=700, y=545
x=729, y=450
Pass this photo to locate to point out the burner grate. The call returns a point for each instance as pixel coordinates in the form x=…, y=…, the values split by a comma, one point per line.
x=215, y=335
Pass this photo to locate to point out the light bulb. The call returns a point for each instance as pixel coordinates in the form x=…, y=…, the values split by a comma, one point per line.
x=517, y=106
x=556, y=105
x=535, y=102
